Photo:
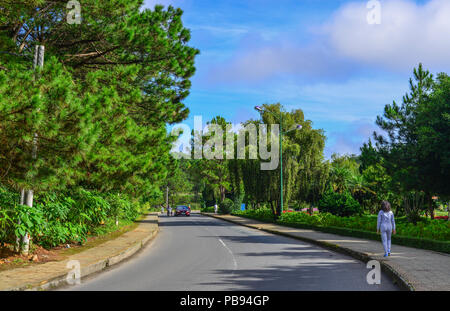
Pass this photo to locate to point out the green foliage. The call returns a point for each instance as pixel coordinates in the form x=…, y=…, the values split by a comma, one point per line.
x=237, y=202
x=433, y=121
x=416, y=152
x=263, y=214
x=101, y=118
x=341, y=204
x=46, y=104
x=207, y=209
x=64, y=217
x=122, y=207
x=94, y=116
x=305, y=172
x=226, y=206
x=213, y=170
x=428, y=234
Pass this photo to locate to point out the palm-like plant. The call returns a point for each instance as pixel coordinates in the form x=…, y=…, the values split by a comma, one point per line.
x=340, y=179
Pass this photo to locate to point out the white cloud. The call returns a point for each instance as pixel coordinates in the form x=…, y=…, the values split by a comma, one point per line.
x=409, y=33
x=256, y=63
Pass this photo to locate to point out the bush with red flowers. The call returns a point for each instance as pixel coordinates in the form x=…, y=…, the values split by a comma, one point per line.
x=441, y=217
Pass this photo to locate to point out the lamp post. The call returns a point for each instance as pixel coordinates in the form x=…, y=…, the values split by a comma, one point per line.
x=298, y=127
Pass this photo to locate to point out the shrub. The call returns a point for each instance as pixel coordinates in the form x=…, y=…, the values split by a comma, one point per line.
x=120, y=207
x=427, y=234
x=226, y=207
x=263, y=214
x=92, y=209
x=60, y=218
x=208, y=209
x=237, y=202
x=340, y=204
x=28, y=220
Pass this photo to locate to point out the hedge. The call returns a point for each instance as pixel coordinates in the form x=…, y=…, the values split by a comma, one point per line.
x=439, y=246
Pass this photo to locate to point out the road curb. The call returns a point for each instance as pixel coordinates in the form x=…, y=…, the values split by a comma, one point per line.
x=396, y=276
x=61, y=279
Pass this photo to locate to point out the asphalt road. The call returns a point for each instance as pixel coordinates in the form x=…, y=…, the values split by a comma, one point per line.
x=203, y=253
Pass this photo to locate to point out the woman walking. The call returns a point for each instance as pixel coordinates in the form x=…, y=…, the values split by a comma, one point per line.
x=386, y=226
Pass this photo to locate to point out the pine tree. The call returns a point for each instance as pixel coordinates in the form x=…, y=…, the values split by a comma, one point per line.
x=133, y=65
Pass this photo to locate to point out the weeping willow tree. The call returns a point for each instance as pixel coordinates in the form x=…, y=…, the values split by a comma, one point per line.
x=304, y=168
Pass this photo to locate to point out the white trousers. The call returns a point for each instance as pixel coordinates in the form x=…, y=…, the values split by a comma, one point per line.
x=386, y=240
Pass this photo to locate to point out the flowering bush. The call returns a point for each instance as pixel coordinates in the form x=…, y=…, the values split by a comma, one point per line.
x=429, y=229
x=441, y=217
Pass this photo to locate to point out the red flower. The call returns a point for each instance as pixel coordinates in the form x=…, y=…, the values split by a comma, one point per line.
x=441, y=217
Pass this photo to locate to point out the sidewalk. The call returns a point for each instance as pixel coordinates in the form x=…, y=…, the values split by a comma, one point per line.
x=413, y=269
x=52, y=274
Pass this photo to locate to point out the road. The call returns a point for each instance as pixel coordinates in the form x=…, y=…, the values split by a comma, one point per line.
x=203, y=253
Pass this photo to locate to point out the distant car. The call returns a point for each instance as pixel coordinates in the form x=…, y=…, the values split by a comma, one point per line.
x=183, y=210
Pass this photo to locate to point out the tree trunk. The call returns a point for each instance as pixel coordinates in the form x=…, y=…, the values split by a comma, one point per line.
x=26, y=238
x=431, y=207
x=278, y=211
x=21, y=202
x=273, y=209
x=167, y=197
x=38, y=62
x=222, y=193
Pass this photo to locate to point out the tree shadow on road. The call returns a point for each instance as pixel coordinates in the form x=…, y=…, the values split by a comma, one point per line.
x=317, y=275
x=308, y=268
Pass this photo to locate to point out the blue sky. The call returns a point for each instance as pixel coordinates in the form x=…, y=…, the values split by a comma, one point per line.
x=320, y=56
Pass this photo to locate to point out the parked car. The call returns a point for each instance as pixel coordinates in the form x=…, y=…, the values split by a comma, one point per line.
x=183, y=210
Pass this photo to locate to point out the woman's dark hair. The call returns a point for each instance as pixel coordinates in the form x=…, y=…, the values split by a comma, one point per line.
x=386, y=206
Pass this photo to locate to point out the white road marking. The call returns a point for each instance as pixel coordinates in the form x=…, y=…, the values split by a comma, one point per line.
x=229, y=250
x=224, y=245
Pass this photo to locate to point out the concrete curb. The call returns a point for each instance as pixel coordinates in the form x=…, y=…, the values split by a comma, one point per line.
x=398, y=278
x=61, y=279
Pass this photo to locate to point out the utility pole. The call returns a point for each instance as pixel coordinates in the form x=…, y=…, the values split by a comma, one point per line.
x=281, y=162
x=38, y=61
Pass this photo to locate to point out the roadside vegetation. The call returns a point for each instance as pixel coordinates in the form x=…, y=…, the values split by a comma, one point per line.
x=426, y=233
x=84, y=146
x=407, y=163
x=83, y=142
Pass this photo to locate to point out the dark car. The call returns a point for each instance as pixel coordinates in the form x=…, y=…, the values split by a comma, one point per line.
x=183, y=210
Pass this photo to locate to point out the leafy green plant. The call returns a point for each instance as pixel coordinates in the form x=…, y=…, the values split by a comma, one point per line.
x=425, y=228
x=28, y=220
x=263, y=214
x=340, y=204
x=226, y=206
x=207, y=209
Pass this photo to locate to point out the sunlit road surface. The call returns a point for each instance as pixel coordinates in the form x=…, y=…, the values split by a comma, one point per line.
x=203, y=253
